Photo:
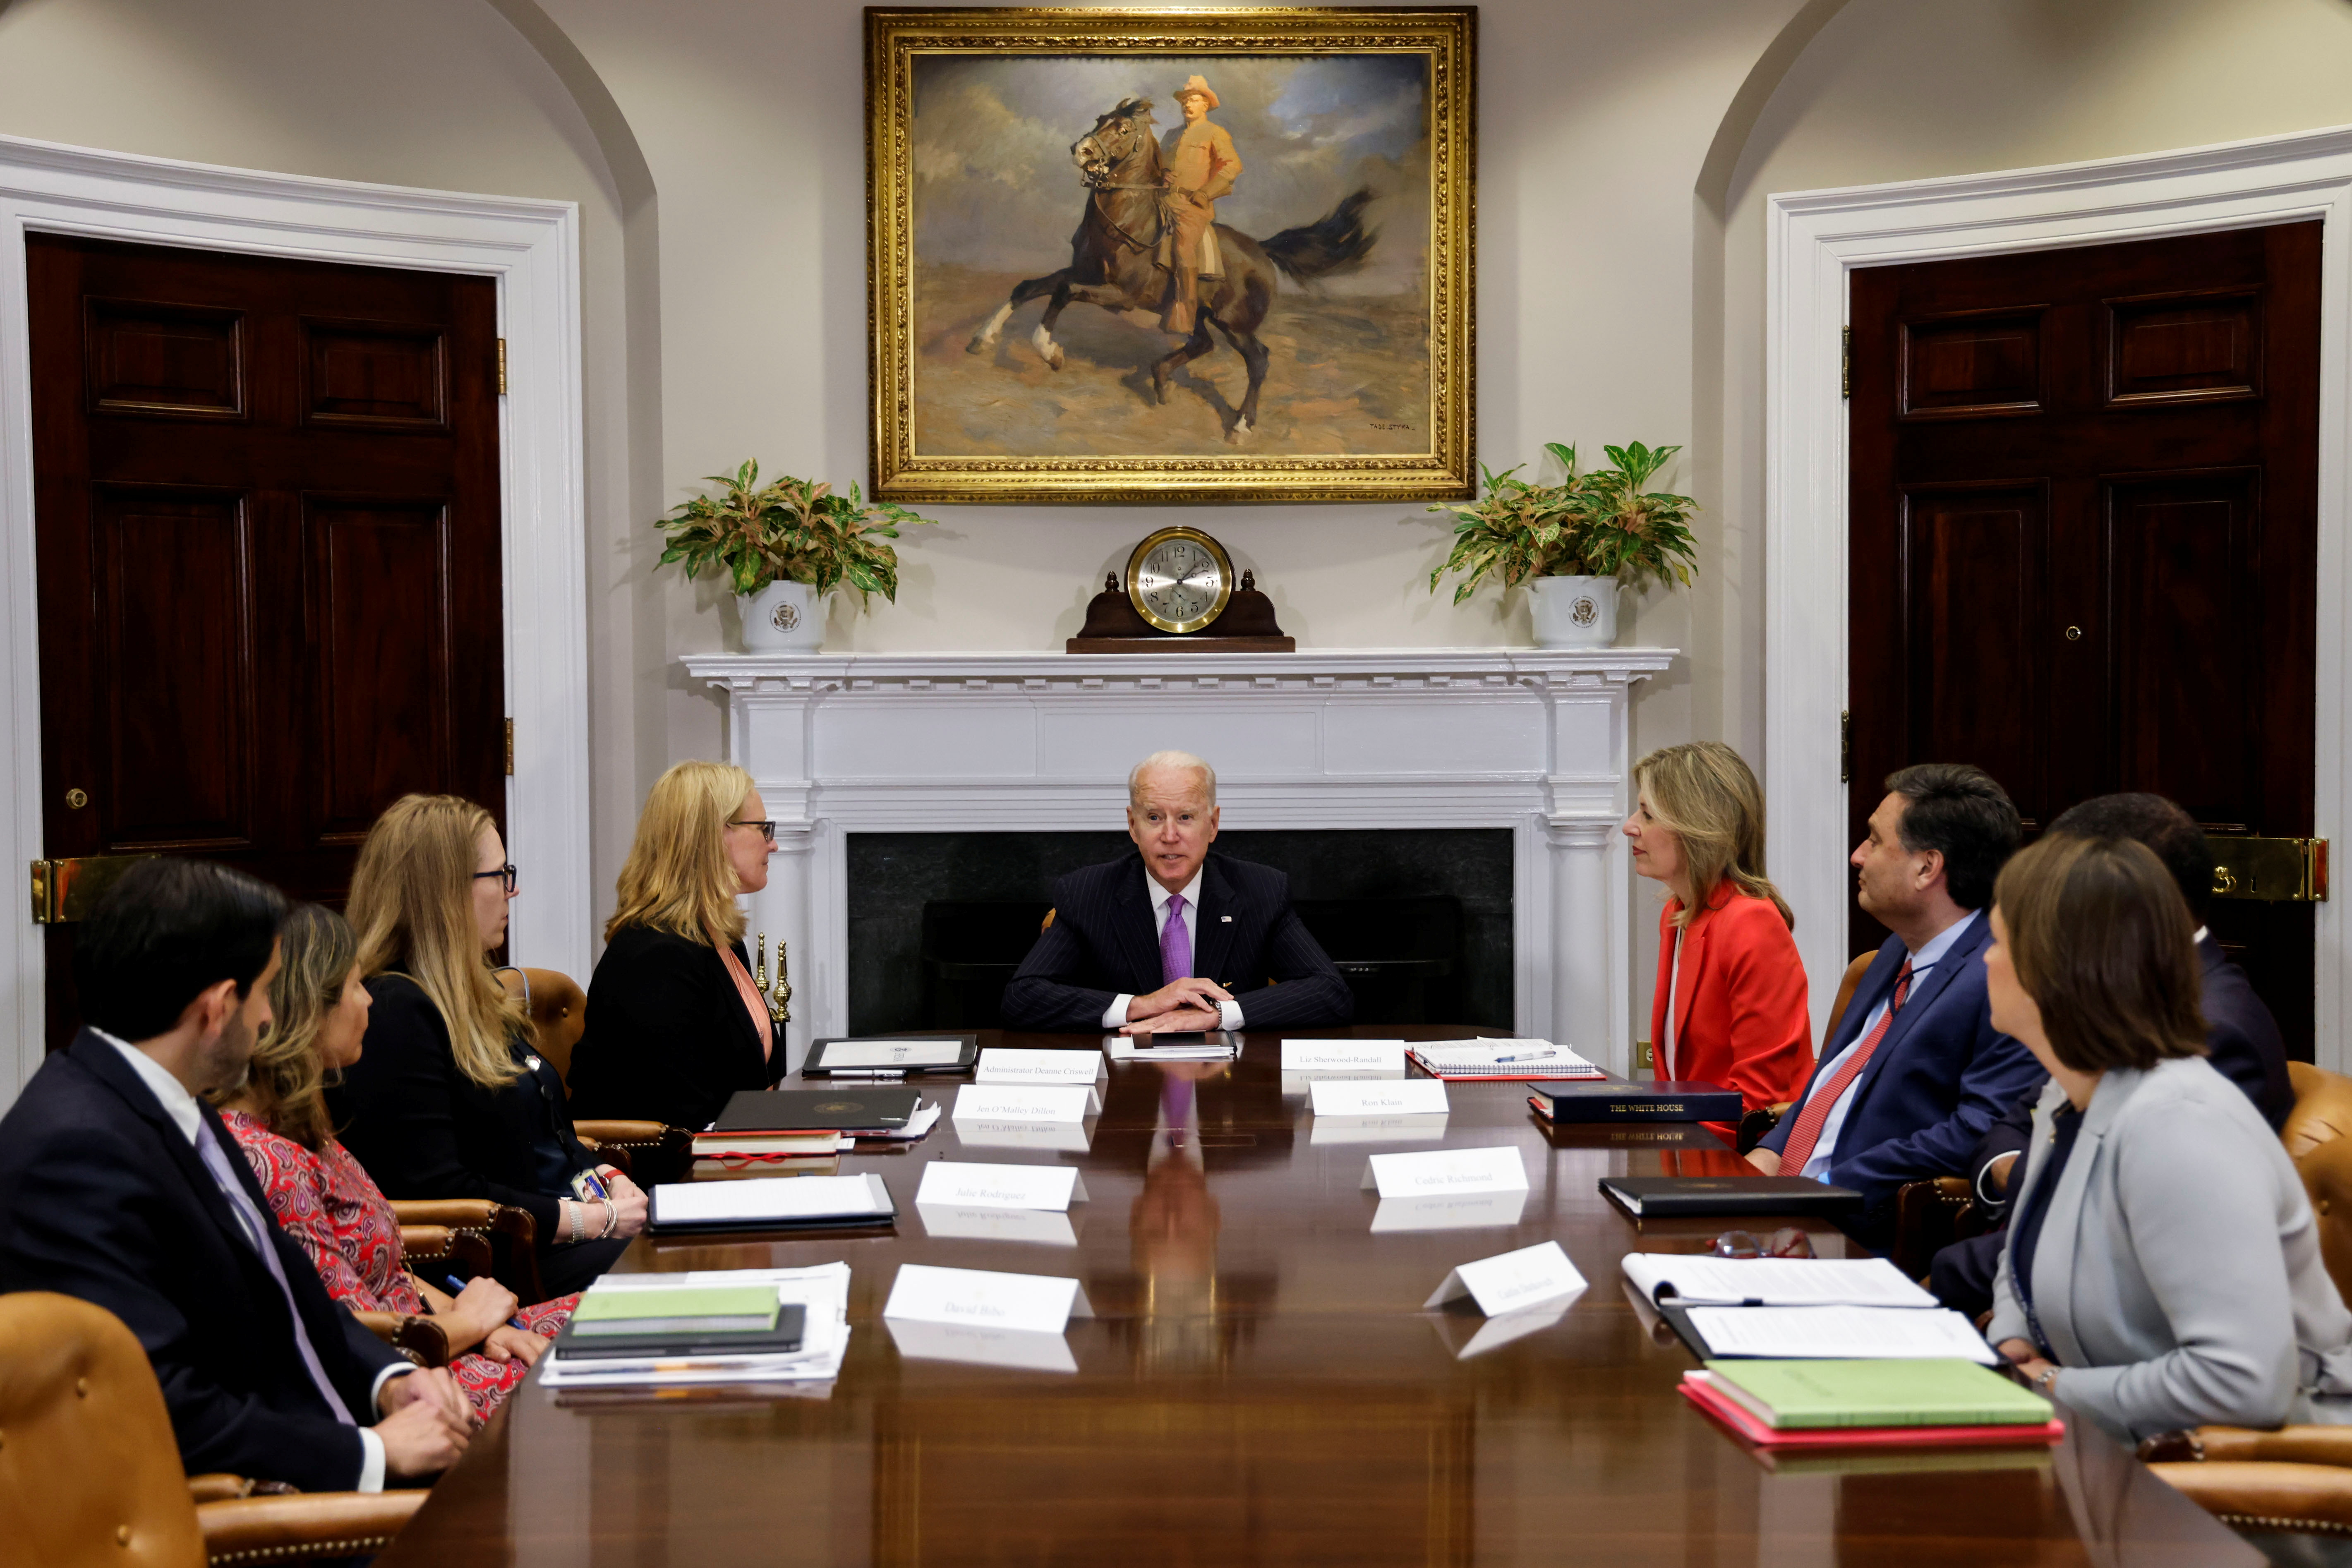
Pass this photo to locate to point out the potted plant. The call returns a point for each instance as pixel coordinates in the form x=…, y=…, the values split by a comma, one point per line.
x=784, y=546
x=1574, y=543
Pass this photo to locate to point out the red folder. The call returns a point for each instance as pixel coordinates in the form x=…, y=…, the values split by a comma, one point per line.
x=1707, y=1398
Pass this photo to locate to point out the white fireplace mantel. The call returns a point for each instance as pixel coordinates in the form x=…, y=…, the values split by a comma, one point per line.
x=1533, y=740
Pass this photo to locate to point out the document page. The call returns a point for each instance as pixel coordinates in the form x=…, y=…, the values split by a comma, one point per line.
x=777, y=1197
x=1773, y=1281
x=1841, y=1334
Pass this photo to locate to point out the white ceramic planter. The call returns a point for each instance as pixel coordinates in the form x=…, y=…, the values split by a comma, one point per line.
x=783, y=617
x=1574, y=612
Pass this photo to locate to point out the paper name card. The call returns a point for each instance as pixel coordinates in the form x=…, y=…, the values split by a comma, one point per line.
x=1008, y=1103
x=1510, y=1281
x=1380, y=1097
x=1067, y=1137
x=1001, y=1186
x=1026, y=1349
x=1007, y=1064
x=893, y=1054
x=1445, y=1172
x=1377, y=1129
x=979, y=1298
x=1479, y=1211
x=1344, y=1056
x=1045, y=1226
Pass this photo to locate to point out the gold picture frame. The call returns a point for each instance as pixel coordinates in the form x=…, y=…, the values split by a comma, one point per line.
x=1349, y=335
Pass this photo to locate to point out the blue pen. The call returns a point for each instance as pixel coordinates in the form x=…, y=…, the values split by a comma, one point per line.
x=1522, y=1057
x=458, y=1287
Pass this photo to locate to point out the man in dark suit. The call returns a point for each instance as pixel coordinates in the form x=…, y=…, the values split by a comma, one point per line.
x=1177, y=938
x=2241, y=1038
x=1914, y=1071
x=120, y=1185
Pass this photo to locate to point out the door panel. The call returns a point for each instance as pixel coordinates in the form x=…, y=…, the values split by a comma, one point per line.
x=266, y=520
x=2084, y=539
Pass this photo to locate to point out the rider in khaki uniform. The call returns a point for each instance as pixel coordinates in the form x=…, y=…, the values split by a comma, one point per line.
x=1201, y=166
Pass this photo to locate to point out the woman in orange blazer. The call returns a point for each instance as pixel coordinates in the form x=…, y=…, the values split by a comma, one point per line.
x=1730, y=1006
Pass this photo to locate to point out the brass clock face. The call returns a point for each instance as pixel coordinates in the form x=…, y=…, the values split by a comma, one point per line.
x=1179, y=579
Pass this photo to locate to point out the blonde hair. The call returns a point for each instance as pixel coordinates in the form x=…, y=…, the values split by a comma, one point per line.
x=286, y=1088
x=1705, y=794
x=1174, y=761
x=413, y=906
x=678, y=878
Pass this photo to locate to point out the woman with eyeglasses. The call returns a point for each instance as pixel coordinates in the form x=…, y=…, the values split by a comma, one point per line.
x=449, y=1100
x=2163, y=1268
x=674, y=1024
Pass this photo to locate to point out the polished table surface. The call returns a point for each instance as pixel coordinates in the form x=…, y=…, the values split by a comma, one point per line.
x=1260, y=1384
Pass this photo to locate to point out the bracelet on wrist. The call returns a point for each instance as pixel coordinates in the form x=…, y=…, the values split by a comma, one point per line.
x=611, y=1220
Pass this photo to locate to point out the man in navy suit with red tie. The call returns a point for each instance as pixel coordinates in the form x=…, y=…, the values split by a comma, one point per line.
x=1177, y=938
x=1914, y=1071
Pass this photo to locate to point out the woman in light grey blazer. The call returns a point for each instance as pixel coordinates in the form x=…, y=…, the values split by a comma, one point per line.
x=2163, y=1268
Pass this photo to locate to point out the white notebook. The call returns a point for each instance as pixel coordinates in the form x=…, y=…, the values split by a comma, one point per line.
x=1695, y=1280
x=778, y=1199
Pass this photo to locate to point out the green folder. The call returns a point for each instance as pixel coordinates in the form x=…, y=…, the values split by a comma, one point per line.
x=705, y=1309
x=1791, y=1395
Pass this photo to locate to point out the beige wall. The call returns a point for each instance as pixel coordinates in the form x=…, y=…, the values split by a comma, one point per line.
x=716, y=148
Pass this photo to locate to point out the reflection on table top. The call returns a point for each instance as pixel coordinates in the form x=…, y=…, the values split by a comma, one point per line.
x=1260, y=1384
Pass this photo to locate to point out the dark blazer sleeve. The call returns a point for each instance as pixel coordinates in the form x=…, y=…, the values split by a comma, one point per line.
x=87, y=1213
x=1311, y=992
x=1990, y=1071
x=2241, y=1038
x=2010, y=1134
x=1059, y=986
x=402, y=1096
x=668, y=1036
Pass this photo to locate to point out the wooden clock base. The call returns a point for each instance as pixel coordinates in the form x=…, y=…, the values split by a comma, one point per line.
x=1248, y=625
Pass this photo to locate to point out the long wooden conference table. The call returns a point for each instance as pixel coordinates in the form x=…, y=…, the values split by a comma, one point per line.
x=1260, y=1384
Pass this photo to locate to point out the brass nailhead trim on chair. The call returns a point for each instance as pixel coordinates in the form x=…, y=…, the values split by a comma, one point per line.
x=2292, y=1526
x=350, y=1547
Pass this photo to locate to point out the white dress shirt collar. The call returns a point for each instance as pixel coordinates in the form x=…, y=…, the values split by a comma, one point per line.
x=1161, y=895
x=169, y=1091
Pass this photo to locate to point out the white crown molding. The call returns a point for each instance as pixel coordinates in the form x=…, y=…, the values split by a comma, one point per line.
x=1814, y=240
x=531, y=248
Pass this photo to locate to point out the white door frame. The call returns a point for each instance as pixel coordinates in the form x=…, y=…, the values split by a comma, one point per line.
x=532, y=249
x=1815, y=241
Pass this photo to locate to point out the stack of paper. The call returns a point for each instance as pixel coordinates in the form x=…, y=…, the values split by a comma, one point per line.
x=822, y=1293
x=1215, y=1046
x=776, y=1203
x=1803, y=1308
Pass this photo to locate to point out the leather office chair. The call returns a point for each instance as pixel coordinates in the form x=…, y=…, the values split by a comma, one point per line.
x=648, y=1152
x=90, y=1475
x=507, y=1237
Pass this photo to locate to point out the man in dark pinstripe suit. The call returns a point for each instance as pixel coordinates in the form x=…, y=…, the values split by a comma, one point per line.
x=1176, y=939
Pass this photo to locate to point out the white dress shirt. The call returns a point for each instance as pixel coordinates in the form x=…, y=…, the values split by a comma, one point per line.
x=1922, y=961
x=1229, y=1013
x=181, y=1107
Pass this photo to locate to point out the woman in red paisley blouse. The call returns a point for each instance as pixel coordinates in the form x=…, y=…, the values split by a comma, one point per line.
x=321, y=1195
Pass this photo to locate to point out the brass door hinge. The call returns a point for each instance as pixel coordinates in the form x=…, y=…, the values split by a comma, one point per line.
x=509, y=748
x=1846, y=746
x=65, y=890
x=503, y=385
x=2272, y=870
x=1845, y=365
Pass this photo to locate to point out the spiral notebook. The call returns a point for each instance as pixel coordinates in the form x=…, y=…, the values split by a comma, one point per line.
x=1525, y=1060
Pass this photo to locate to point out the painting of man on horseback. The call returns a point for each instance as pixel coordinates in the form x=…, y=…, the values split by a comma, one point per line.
x=1150, y=240
x=1273, y=246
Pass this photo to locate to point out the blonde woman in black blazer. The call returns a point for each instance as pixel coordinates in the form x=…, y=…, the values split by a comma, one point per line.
x=675, y=1026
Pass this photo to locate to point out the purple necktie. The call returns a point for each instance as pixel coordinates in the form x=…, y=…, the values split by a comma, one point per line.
x=1175, y=945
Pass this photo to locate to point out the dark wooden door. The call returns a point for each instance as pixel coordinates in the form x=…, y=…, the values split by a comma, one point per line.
x=267, y=516
x=2084, y=537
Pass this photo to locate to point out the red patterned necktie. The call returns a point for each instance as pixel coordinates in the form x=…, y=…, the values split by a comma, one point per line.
x=1800, y=1147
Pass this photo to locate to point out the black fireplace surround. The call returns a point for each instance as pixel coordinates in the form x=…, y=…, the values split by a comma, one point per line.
x=1419, y=920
